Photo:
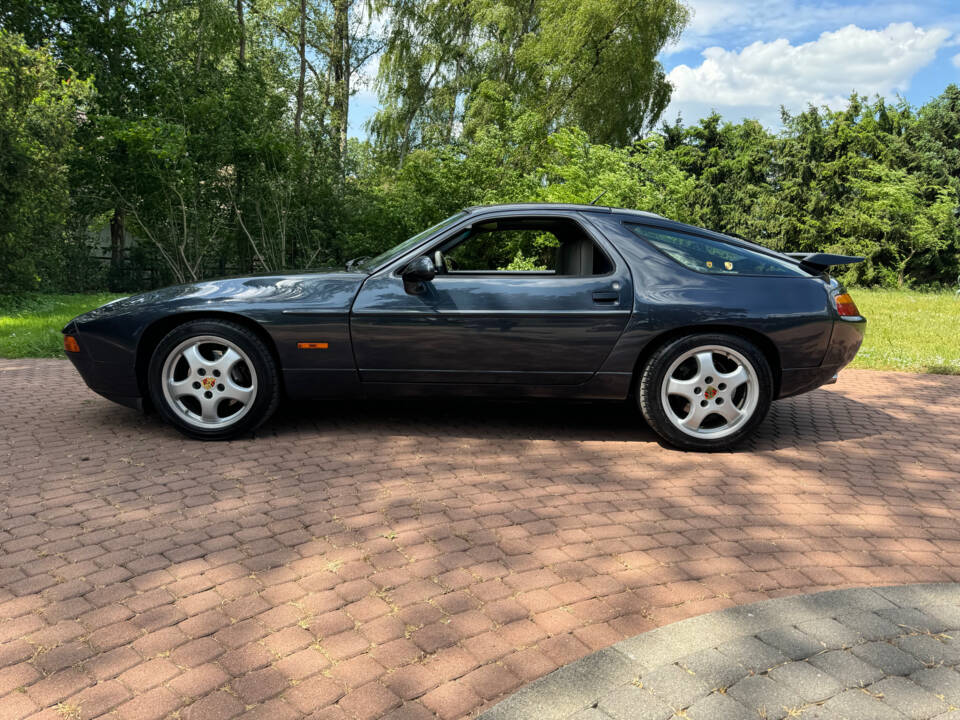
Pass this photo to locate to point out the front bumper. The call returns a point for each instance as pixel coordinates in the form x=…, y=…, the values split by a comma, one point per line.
x=116, y=381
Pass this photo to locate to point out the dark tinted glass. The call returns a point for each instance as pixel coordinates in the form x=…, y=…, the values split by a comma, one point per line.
x=713, y=256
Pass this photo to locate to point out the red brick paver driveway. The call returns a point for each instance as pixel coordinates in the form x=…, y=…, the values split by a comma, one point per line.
x=420, y=558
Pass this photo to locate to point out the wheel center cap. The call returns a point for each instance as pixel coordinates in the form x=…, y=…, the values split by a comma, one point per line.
x=710, y=393
x=208, y=382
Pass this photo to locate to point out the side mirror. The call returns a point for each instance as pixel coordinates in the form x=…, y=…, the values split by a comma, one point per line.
x=420, y=270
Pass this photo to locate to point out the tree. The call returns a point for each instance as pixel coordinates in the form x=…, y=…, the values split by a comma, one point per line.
x=644, y=177
x=452, y=69
x=96, y=41
x=219, y=136
x=40, y=112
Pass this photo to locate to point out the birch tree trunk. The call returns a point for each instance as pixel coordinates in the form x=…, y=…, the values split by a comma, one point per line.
x=302, y=49
x=340, y=62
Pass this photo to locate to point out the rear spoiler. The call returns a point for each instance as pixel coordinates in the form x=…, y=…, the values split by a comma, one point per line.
x=818, y=262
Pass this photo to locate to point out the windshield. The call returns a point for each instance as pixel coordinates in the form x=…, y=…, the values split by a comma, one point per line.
x=395, y=252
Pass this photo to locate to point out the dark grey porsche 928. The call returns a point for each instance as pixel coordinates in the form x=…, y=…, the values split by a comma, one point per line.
x=702, y=329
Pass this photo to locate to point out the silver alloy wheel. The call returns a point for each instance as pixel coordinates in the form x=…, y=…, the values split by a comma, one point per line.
x=209, y=382
x=710, y=391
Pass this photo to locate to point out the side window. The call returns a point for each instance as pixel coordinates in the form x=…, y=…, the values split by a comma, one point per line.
x=712, y=256
x=555, y=246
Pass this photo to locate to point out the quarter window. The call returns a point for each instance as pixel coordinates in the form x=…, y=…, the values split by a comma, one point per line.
x=713, y=256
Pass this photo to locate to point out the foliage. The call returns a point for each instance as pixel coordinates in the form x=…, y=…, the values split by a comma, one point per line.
x=473, y=65
x=847, y=187
x=39, y=115
x=216, y=137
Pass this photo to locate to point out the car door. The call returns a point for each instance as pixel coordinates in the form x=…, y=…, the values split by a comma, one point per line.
x=500, y=325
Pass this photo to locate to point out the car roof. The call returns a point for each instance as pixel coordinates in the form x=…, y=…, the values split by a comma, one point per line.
x=508, y=207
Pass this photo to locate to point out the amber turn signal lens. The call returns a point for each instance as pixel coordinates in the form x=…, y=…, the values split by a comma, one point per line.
x=846, y=306
x=312, y=346
x=70, y=344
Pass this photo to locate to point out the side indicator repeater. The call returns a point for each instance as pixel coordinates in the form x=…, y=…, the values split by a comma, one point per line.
x=70, y=344
x=312, y=345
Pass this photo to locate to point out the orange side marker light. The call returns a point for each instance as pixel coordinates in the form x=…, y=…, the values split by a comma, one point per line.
x=70, y=344
x=312, y=346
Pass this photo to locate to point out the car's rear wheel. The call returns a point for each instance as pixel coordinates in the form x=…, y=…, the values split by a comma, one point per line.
x=213, y=379
x=706, y=391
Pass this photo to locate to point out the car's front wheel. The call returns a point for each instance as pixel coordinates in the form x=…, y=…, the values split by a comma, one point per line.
x=213, y=379
x=706, y=391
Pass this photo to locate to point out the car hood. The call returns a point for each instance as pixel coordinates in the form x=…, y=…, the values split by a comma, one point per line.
x=329, y=291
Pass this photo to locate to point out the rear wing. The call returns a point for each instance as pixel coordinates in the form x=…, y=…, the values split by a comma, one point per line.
x=818, y=262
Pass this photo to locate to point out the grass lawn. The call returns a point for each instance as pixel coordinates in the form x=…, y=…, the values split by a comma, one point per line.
x=30, y=323
x=918, y=332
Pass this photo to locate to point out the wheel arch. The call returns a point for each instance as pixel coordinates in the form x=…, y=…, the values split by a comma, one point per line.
x=156, y=331
x=764, y=343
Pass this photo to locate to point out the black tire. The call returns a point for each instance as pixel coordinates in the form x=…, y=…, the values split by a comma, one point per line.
x=662, y=419
x=258, y=367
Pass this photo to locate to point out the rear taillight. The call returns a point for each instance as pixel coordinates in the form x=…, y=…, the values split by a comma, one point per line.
x=846, y=307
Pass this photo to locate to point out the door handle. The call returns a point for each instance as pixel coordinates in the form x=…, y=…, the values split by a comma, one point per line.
x=606, y=297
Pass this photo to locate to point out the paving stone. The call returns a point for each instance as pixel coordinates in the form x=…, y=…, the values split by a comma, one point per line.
x=590, y=714
x=869, y=625
x=569, y=689
x=840, y=602
x=831, y=634
x=793, y=643
x=766, y=697
x=633, y=703
x=929, y=650
x=655, y=648
x=889, y=659
x=859, y=705
x=951, y=638
x=677, y=687
x=713, y=668
x=752, y=654
x=718, y=707
x=812, y=684
x=847, y=668
x=909, y=698
x=940, y=681
x=948, y=614
x=913, y=620
x=922, y=594
x=819, y=712
x=314, y=518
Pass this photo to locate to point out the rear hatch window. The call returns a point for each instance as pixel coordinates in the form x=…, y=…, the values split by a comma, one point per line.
x=715, y=257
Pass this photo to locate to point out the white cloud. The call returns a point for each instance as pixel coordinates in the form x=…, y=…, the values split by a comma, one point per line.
x=736, y=23
x=757, y=80
x=956, y=61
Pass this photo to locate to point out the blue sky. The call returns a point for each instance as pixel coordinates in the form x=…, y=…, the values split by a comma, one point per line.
x=745, y=58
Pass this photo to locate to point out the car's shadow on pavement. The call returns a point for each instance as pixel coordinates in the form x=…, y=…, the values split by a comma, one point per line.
x=808, y=419
x=473, y=418
x=811, y=419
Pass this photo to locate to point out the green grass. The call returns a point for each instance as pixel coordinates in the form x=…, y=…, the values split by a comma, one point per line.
x=30, y=323
x=906, y=330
